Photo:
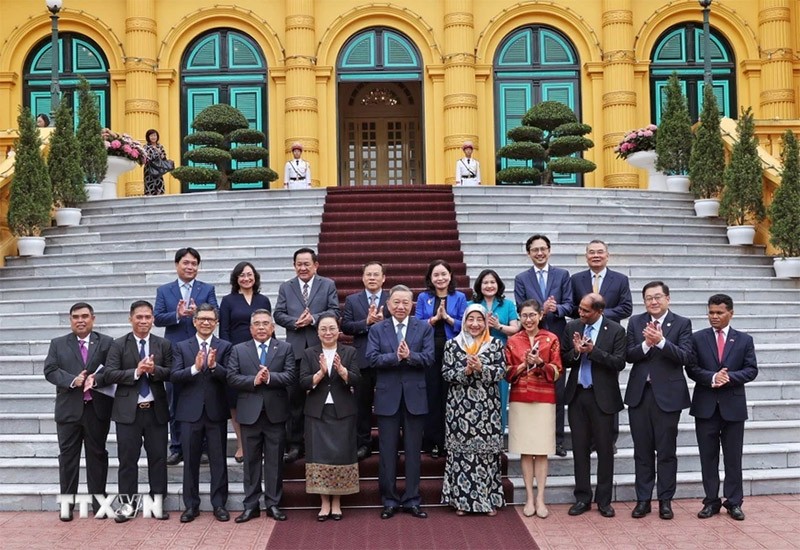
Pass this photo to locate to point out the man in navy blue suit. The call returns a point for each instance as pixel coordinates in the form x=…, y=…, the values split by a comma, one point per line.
x=550, y=286
x=198, y=369
x=362, y=310
x=725, y=362
x=659, y=346
x=400, y=349
x=176, y=303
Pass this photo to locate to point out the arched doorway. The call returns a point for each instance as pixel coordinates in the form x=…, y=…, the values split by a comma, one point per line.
x=380, y=110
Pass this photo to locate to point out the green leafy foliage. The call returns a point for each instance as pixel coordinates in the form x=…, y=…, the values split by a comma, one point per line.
x=208, y=155
x=707, y=161
x=549, y=133
x=197, y=174
x=742, y=199
x=246, y=135
x=63, y=161
x=674, y=143
x=214, y=139
x=784, y=212
x=94, y=158
x=220, y=118
x=31, y=196
x=249, y=175
x=249, y=153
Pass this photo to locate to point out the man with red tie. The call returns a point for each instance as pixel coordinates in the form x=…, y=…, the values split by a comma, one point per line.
x=725, y=362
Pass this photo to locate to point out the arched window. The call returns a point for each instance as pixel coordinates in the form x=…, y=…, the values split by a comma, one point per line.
x=680, y=49
x=224, y=66
x=534, y=64
x=78, y=56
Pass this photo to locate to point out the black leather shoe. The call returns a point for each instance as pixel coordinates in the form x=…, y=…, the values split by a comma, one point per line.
x=665, y=509
x=736, y=512
x=221, y=514
x=291, y=455
x=388, y=512
x=336, y=517
x=276, y=513
x=641, y=510
x=708, y=511
x=189, y=514
x=248, y=514
x=607, y=511
x=363, y=452
x=174, y=458
x=561, y=451
x=323, y=517
x=416, y=511
x=579, y=507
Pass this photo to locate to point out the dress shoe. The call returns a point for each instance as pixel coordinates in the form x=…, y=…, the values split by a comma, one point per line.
x=735, y=512
x=174, y=458
x=542, y=511
x=641, y=509
x=68, y=516
x=276, y=513
x=323, y=517
x=248, y=514
x=238, y=458
x=606, y=510
x=579, y=507
x=189, y=514
x=164, y=516
x=336, y=517
x=363, y=452
x=708, y=511
x=561, y=451
x=416, y=511
x=665, y=509
x=204, y=458
x=221, y=514
x=124, y=513
x=388, y=512
x=291, y=455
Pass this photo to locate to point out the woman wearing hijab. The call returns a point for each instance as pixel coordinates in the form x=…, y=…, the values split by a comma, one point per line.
x=473, y=365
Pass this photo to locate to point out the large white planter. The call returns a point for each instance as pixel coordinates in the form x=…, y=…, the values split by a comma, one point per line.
x=706, y=208
x=786, y=267
x=678, y=184
x=94, y=191
x=30, y=246
x=646, y=160
x=68, y=216
x=741, y=234
x=116, y=167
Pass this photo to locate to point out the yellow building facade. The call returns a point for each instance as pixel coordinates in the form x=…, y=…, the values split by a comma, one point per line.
x=385, y=91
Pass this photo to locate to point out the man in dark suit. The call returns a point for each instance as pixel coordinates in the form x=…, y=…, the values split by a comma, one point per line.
x=139, y=363
x=550, y=286
x=176, y=303
x=593, y=348
x=659, y=346
x=400, y=349
x=361, y=311
x=199, y=371
x=301, y=300
x=614, y=287
x=725, y=360
x=261, y=370
x=82, y=414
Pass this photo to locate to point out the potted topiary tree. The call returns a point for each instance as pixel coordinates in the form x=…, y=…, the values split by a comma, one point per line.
x=707, y=162
x=221, y=136
x=31, y=193
x=66, y=174
x=742, y=201
x=549, y=134
x=674, y=143
x=92, y=150
x=784, y=212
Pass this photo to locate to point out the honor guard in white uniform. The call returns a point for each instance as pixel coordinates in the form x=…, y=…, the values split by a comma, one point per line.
x=297, y=174
x=468, y=170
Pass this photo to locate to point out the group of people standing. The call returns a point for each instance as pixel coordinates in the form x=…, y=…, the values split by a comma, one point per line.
x=440, y=376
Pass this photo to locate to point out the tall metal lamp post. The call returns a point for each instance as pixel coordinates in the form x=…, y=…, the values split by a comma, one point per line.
x=706, y=5
x=54, y=6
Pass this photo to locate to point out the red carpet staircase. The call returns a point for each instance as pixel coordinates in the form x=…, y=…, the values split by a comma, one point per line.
x=404, y=228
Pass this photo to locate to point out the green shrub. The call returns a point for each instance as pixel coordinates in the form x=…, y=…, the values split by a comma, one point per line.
x=742, y=198
x=707, y=162
x=674, y=143
x=31, y=196
x=784, y=212
x=63, y=161
x=94, y=158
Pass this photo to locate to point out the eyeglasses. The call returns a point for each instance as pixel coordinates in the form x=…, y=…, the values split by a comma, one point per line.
x=205, y=319
x=246, y=276
x=528, y=316
x=538, y=250
x=656, y=298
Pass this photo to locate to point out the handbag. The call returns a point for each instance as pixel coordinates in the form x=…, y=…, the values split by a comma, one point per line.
x=158, y=167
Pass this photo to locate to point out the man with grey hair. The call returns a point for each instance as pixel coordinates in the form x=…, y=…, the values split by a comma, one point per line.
x=400, y=349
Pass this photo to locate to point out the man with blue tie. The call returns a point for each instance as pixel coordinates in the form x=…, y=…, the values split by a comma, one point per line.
x=176, y=303
x=400, y=349
x=139, y=363
x=725, y=360
x=593, y=348
x=362, y=310
x=551, y=287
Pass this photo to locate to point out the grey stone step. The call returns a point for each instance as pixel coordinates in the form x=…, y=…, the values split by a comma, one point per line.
x=601, y=197
x=488, y=235
x=515, y=250
x=208, y=222
x=557, y=215
x=473, y=210
x=220, y=198
x=621, y=260
x=552, y=227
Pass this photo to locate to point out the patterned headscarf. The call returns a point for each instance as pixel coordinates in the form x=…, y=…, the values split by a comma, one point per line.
x=470, y=344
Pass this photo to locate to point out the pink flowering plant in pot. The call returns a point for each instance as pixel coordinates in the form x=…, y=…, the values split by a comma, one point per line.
x=643, y=139
x=123, y=145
